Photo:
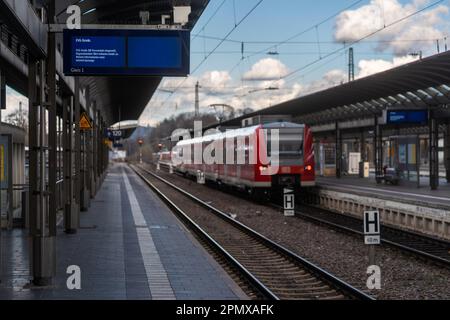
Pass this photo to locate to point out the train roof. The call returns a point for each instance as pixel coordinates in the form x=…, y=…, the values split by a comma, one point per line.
x=241, y=132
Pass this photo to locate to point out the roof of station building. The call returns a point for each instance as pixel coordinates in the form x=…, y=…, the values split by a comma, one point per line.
x=416, y=85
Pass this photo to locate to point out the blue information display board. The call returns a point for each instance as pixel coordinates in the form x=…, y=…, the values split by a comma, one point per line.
x=126, y=52
x=407, y=117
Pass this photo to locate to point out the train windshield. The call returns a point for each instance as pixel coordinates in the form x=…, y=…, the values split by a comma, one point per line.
x=290, y=151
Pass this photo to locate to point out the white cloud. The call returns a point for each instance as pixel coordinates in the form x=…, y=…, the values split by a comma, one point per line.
x=370, y=67
x=217, y=79
x=330, y=79
x=219, y=87
x=266, y=70
x=353, y=25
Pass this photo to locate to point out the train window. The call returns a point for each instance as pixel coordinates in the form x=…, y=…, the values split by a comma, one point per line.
x=290, y=146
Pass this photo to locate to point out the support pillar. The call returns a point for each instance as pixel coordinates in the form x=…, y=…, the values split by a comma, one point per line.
x=434, y=151
x=363, y=147
x=91, y=180
x=43, y=249
x=2, y=105
x=85, y=177
x=78, y=155
x=52, y=127
x=94, y=153
x=70, y=207
x=105, y=157
x=43, y=241
x=338, y=151
x=447, y=151
x=100, y=151
x=378, y=149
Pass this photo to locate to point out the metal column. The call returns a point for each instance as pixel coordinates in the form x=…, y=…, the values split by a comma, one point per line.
x=52, y=126
x=93, y=161
x=70, y=207
x=100, y=151
x=378, y=149
x=85, y=177
x=77, y=174
x=338, y=151
x=2, y=105
x=362, y=146
x=33, y=141
x=447, y=151
x=434, y=151
x=43, y=242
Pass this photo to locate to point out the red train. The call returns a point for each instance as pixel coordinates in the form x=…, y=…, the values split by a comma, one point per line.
x=251, y=149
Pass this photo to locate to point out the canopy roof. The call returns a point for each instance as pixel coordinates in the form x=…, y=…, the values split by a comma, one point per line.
x=416, y=85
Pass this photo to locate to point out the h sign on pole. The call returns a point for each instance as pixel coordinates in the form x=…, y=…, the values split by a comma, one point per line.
x=372, y=227
x=289, y=203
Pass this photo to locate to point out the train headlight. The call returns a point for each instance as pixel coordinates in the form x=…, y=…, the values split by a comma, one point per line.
x=308, y=168
x=263, y=168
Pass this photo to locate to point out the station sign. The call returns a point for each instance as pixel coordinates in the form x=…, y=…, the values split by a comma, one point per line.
x=89, y=52
x=372, y=229
x=114, y=134
x=407, y=117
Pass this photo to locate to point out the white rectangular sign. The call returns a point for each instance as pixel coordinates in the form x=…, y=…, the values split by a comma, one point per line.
x=289, y=203
x=372, y=227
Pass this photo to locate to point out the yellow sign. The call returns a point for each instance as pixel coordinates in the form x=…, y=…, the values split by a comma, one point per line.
x=85, y=123
x=108, y=143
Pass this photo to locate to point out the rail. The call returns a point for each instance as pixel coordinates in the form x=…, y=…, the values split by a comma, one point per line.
x=319, y=273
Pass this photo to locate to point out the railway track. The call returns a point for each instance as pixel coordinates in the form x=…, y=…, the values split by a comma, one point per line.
x=274, y=271
x=428, y=248
x=431, y=249
x=424, y=247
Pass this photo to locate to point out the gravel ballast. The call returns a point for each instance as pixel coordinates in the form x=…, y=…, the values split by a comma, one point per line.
x=403, y=276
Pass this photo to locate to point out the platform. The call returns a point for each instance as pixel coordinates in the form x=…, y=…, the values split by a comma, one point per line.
x=129, y=246
x=406, y=192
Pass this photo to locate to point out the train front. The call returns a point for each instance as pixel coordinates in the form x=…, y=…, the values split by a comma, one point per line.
x=288, y=160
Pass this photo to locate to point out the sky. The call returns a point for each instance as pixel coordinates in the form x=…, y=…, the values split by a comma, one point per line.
x=295, y=47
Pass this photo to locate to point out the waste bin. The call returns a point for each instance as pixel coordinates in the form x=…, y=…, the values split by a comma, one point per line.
x=364, y=169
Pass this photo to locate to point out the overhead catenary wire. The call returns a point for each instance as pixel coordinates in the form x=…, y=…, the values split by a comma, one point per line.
x=264, y=51
x=351, y=43
x=209, y=20
x=218, y=45
x=326, y=54
x=277, y=43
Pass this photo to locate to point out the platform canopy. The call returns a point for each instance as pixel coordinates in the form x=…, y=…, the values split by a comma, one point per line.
x=125, y=98
x=417, y=85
